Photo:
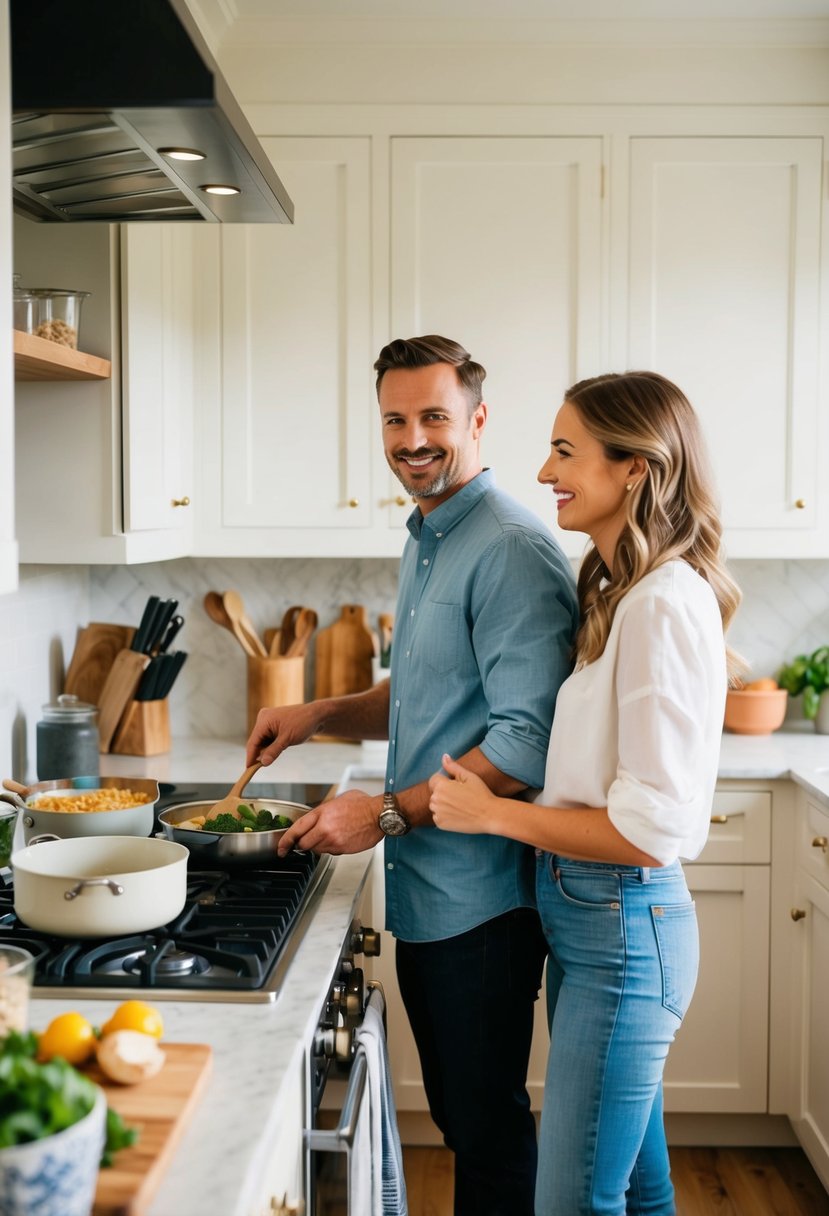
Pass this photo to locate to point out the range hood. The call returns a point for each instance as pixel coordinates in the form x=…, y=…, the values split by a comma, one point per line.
x=106, y=95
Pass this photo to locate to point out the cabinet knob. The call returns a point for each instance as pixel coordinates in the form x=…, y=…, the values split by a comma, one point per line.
x=719, y=819
x=820, y=842
x=354, y=502
x=800, y=503
x=797, y=913
x=281, y=1207
x=181, y=502
x=397, y=501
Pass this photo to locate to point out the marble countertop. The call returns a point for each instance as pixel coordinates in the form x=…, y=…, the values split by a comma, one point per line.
x=794, y=752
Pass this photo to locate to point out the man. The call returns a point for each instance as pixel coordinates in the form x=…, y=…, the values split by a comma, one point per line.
x=486, y=614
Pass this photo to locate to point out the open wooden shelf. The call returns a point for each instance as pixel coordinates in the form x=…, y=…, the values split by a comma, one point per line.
x=38, y=359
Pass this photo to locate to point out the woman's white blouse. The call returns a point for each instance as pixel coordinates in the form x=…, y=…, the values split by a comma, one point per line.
x=639, y=730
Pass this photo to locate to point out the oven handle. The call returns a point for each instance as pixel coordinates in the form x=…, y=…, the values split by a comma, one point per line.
x=341, y=1139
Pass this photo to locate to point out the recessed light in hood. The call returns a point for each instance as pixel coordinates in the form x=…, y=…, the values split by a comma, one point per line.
x=120, y=113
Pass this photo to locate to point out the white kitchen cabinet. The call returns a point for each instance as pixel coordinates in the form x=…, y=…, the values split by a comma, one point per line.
x=93, y=485
x=810, y=997
x=281, y=1188
x=723, y=298
x=287, y=440
x=497, y=244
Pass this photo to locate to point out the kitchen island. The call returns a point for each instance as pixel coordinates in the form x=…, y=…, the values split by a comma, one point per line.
x=223, y=1155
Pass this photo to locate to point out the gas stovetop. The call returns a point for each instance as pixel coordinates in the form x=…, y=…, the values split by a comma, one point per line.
x=233, y=941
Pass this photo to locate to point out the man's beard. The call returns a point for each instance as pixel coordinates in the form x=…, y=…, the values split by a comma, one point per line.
x=442, y=480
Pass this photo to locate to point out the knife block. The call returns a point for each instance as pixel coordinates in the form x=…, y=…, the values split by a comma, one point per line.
x=276, y=681
x=144, y=729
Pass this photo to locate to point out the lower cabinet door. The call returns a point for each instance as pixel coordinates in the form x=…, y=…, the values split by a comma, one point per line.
x=811, y=1116
x=718, y=1063
x=281, y=1188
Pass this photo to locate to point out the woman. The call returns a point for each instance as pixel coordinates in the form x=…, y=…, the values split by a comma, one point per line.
x=629, y=783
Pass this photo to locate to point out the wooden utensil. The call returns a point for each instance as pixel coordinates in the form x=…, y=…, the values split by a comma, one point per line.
x=215, y=609
x=96, y=646
x=231, y=800
x=386, y=622
x=273, y=640
x=119, y=689
x=343, y=654
x=235, y=609
x=161, y=1108
x=306, y=623
x=286, y=629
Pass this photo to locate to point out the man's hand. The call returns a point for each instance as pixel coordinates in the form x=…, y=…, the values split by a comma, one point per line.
x=284, y=726
x=347, y=824
x=461, y=802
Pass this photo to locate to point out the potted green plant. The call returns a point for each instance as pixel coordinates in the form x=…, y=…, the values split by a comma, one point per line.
x=809, y=674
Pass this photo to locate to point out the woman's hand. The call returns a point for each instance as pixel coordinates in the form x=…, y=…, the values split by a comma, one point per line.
x=461, y=802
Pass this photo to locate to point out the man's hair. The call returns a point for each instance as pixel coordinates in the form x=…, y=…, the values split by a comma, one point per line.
x=426, y=351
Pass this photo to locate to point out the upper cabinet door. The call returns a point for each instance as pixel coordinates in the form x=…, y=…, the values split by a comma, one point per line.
x=297, y=397
x=157, y=382
x=724, y=300
x=496, y=243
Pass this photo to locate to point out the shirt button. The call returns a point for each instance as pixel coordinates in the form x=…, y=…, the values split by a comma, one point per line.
x=408, y=652
x=439, y=535
x=393, y=742
x=391, y=780
x=412, y=612
x=425, y=561
x=397, y=704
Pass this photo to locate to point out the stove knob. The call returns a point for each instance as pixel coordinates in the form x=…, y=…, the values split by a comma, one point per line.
x=334, y=1044
x=355, y=995
x=366, y=941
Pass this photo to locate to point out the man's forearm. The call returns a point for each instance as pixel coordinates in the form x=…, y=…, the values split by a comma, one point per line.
x=361, y=715
x=414, y=801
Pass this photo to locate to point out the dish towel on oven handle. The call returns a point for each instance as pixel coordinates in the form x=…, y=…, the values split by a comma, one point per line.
x=388, y=1185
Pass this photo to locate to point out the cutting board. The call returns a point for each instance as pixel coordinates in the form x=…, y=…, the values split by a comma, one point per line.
x=160, y=1109
x=119, y=689
x=343, y=654
x=96, y=646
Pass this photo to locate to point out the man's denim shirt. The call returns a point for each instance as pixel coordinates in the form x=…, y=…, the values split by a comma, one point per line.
x=486, y=615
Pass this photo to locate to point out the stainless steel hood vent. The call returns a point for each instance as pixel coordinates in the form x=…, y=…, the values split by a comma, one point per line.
x=103, y=91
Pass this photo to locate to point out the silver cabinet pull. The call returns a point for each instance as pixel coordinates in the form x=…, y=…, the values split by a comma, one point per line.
x=341, y=1139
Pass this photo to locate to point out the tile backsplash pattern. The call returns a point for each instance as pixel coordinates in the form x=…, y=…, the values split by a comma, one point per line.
x=785, y=611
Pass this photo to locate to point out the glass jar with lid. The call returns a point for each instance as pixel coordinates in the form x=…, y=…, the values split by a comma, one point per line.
x=24, y=307
x=67, y=740
x=57, y=314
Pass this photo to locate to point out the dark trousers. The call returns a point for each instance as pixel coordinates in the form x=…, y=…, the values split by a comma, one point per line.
x=470, y=1003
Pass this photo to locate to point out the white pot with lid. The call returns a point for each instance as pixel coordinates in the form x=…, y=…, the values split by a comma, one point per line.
x=99, y=886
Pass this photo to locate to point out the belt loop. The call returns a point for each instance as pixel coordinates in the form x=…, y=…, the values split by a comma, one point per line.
x=645, y=873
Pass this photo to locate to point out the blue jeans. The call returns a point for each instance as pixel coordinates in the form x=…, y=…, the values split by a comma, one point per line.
x=624, y=951
x=470, y=1003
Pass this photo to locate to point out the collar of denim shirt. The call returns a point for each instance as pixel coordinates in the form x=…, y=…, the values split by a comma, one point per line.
x=451, y=512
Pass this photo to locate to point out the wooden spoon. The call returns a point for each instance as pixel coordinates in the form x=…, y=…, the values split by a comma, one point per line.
x=235, y=609
x=286, y=629
x=305, y=625
x=273, y=638
x=215, y=609
x=229, y=804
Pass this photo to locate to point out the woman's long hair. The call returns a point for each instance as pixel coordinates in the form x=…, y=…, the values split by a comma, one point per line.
x=671, y=511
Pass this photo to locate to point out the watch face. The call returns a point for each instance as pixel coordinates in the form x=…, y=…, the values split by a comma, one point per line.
x=393, y=823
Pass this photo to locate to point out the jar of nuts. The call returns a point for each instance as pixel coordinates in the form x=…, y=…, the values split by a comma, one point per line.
x=58, y=314
x=17, y=968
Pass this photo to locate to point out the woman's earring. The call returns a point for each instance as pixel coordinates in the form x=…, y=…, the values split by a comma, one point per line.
x=629, y=486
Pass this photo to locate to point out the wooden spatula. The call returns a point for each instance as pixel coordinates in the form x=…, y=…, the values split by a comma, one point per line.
x=229, y=804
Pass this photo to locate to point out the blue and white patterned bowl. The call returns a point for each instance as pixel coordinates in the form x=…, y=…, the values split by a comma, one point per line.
x=55, y=1176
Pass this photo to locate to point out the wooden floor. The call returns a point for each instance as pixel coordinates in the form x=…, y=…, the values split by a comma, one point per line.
x=708, y=1182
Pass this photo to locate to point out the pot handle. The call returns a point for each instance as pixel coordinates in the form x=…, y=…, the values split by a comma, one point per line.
x=12, y=799
x=114, y=887
x=42, y=837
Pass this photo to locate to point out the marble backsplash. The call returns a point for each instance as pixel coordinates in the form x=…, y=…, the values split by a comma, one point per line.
x=785, y=611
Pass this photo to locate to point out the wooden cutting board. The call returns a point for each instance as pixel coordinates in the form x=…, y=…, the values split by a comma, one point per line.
x=119, y=689
x=343, y=654
x=95, y=649
x=160, y=1109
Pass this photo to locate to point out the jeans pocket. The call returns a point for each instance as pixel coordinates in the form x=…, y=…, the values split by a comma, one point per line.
x=677, y=940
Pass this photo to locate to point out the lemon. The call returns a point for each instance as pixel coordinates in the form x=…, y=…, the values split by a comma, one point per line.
x=135, y=1015
x=70, y=1036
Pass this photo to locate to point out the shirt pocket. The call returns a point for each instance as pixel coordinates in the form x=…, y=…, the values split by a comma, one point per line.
x=442, y=642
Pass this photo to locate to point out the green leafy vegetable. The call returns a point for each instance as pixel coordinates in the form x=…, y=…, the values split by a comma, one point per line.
x=807, y=674
x=6, y=838
x=250, y=821
x=38, y=1100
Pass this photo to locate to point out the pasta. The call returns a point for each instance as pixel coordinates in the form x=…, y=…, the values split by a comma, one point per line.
x=92, y=800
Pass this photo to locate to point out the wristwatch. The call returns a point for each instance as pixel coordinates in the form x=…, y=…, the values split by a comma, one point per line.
x=392, y=821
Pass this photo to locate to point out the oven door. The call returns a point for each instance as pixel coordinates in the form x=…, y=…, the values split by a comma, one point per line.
x=339, y=1160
